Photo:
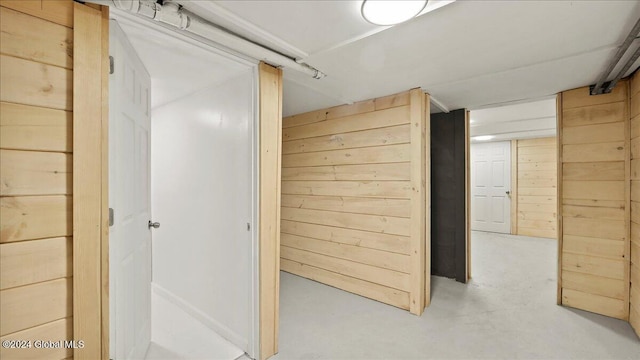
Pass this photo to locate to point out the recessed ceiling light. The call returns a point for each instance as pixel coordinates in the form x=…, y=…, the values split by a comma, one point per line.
x=385, y=12
x=483, y=137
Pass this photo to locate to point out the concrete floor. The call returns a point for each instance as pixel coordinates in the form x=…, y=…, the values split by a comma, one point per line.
x=508, y=311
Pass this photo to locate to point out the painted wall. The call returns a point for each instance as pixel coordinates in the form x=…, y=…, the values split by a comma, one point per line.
x=634, y=311
x=36, y=176
x=536, y=194
x=201, y=195
x=347, y=198
x=594, y=241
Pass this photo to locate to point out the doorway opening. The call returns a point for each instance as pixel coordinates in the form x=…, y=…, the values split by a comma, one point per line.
x=512, y=194
x=183, y=248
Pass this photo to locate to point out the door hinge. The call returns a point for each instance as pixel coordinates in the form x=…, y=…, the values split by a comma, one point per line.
x=248, y=226
x=110, y=217
x=111, y=66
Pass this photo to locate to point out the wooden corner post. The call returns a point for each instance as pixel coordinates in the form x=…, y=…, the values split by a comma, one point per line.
x=427, y=214
x=418, y=200
x=559, y=194
x=89, y=180
x=270, y=140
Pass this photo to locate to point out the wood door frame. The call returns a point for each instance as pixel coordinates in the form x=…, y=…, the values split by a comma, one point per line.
x=514, y=187
x=417, y=115
x=467, y=185
x=559, y=194
x=90, y=201
x=270, y=169
x=90, y=181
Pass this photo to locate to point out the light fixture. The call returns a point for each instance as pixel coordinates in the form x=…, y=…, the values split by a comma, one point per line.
x=483, y=137
x=388, y=12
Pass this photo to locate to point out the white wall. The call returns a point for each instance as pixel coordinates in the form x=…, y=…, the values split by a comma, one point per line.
x=201, y=194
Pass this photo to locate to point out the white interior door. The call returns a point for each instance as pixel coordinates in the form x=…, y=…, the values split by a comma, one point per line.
x=202, y=194
x=129, y=196
x=491, y=186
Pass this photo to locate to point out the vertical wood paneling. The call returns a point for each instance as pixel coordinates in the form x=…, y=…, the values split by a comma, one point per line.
x=354, y=198
x=539, y=180
x=634, y=174
x=270, y=88
x=594, y=207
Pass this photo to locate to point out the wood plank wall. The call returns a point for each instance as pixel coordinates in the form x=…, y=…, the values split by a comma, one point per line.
x=349, y=208
x=36, y=74
x=593, y=136
x=537, y=177
x=634, y=311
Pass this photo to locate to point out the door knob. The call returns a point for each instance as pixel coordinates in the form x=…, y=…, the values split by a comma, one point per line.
x=509, y=193
x=154, y=225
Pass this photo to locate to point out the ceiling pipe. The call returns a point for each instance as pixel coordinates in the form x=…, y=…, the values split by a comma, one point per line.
x=173, y=14
x=598, y=87
x=622, y=71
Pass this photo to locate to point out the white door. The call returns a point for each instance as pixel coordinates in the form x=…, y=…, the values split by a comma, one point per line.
x=129, y=197
x=202, y=195
x=491, y=187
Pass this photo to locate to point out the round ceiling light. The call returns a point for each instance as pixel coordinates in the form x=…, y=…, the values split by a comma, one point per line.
x=389, y=12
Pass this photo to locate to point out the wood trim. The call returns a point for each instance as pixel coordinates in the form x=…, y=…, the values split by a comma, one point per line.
x=467, y=187
x=270, y=139
x=514, y=187
x=88, y=185
x=278, y=206
x=559, y=194
x=104, y=240
x=427, y=210
x=627, y=199
x=418, y=201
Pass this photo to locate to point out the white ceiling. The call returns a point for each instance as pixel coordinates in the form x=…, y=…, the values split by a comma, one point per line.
x=467, y=54
x=177, y=66
x=515, y=121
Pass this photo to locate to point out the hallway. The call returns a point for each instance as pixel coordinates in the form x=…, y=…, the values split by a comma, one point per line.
x=507, y=311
